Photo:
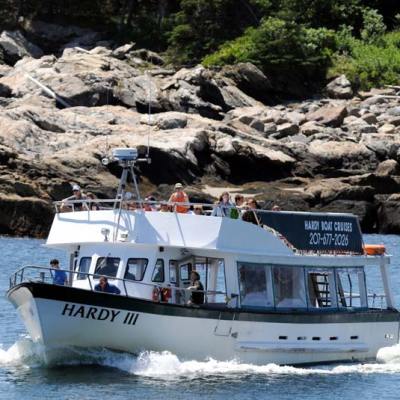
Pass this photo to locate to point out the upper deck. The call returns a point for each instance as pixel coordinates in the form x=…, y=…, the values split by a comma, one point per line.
x=278, y=234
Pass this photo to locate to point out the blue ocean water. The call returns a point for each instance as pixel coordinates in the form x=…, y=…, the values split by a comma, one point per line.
x=105, y=374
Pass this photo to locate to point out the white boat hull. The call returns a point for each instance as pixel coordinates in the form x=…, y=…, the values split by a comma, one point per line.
x=55, y=318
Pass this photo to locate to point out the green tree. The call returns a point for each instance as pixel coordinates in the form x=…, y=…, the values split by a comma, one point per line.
x=373, y=26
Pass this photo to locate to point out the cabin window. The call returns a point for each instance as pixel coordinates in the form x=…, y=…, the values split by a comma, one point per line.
x=185, y=270
x=135, y=269
x=107, y=266
x=158, y=272
x=320, y=288
x=289, y=287
x=173, y=274
x=84, y=267
x=255, y=285
x=351, y=292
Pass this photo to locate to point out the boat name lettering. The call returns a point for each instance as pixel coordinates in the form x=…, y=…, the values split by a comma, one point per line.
x=328, y=226
x=99, y=314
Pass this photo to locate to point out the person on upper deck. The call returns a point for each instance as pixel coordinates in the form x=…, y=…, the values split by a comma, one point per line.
x=198, y=210
x=104, y=286
x=92, y=205
x=236, y=212
x=77, y=195
x=179, y=196
x=223, y=207
x=250, y=215
x=197, y=296
x=59, y=276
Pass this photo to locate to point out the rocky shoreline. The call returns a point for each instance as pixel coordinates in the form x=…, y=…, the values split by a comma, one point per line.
x=220, y=128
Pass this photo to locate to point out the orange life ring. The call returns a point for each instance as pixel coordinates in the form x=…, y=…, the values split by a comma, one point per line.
x=155, y=294
x=374, y=249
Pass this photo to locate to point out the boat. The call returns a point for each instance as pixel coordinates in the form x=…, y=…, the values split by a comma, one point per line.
x=290, y=289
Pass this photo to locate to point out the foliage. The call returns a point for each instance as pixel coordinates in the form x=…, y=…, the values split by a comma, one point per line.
x=371, y=64
x=278, y=45
x=287, y=38
x=373, y=26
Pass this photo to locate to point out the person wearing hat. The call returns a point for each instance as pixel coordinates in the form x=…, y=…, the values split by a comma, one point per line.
x=77, y=195
x=179, y=196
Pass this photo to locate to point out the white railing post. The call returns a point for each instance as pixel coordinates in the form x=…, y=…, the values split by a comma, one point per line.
x=384, y=264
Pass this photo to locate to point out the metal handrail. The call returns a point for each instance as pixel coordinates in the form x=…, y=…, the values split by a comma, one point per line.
x=14, y=281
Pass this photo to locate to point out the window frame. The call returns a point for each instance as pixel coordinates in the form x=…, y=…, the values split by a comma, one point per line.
x=79, y=273
x=144, y=270
x=267, y=268
x=301, y=271
x=97, y=274
x=176, y=269
x=362, y=288
x=163, y=271
x=331, y=272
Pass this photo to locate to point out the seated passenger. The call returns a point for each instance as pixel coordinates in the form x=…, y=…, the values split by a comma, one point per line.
x=75, y=206
x=149, y=204
x=198, y=210
x=179, y=196
x=276, y=208
x=59, y=276
x=164, y=207
x=250, y=215
x=224, y=206
x=104, y=286
x=92, y=205
x=197, y=296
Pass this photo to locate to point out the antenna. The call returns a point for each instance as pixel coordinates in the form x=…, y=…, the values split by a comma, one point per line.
x=149, y=118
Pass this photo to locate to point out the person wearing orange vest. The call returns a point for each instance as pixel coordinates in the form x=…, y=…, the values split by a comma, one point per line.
x=179, y=196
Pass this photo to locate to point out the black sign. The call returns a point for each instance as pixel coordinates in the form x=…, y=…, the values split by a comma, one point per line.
x=317, y=232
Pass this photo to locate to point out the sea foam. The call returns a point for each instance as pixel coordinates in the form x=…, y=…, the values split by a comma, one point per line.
x=167, y=366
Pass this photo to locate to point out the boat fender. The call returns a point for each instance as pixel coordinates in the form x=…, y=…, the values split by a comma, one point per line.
x=374, y=249
x=156, y=294
x=165, y=294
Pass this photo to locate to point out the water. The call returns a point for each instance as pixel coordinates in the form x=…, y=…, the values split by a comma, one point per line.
x=101, y=374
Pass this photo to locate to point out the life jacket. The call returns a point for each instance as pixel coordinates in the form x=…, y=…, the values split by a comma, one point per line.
x=180, y=197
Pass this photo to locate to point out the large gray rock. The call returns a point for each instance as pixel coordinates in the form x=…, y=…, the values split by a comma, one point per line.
x=340, y=88
x=328, y=115
x=251, y=80
x=14, y=46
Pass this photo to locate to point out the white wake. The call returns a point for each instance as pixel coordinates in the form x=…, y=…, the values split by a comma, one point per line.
x=167, y=366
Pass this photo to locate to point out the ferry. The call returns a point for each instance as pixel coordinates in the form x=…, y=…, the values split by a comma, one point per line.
x=290, y=289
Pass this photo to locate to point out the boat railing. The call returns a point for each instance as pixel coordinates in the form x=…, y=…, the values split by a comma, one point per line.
x=86, y=204
x=35, y=273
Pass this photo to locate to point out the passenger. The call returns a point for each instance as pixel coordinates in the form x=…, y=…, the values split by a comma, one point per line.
x=250, y=215
x=77, y=195
x=237, y=210
x=198, y=210
x=59, y=276
x=92, y=205
x=179, y=196
x=104, y=286
x=276, y=208
x=224, y=206
x=196, y=297
x=149, y=204
x=164, y=207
